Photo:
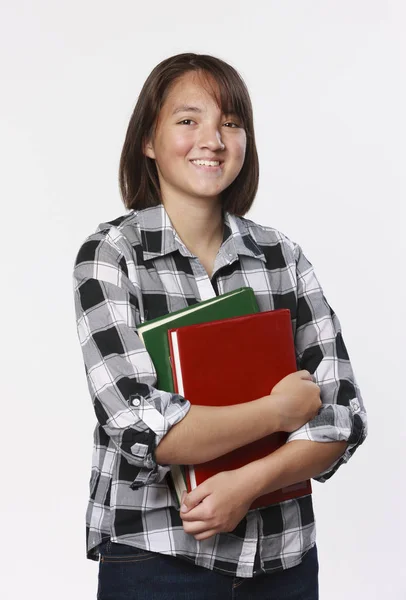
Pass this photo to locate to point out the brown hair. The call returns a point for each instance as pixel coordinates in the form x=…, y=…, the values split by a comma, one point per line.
x=138, y=176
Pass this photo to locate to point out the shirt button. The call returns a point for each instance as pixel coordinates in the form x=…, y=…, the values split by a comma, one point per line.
x=136, y=402
x=354, y=405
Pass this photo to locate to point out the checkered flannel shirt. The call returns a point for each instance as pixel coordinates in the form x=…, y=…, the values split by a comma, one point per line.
x=136, y=268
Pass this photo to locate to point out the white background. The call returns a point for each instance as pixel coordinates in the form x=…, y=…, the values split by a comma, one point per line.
x=328, y=89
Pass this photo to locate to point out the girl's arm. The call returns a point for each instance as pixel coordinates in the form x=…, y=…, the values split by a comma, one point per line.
x=219, y=504
x=321, y=349
x=208, y=432
x=292, y=463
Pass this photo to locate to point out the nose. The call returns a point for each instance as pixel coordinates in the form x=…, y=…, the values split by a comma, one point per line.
x=210, y=137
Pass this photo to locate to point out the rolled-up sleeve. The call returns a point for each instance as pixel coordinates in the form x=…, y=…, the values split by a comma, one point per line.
x=321, y=350
x=120, y=373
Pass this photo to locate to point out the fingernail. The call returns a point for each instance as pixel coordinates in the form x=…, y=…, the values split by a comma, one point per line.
x=183, y=508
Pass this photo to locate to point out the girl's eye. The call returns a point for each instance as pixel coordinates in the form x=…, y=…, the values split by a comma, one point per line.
x=230, y=124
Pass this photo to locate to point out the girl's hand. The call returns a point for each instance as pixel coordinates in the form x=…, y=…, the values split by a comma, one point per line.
x=217, y=505
x=296, y=400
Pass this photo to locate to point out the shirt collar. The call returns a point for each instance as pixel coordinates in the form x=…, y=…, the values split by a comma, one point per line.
x=159, y=237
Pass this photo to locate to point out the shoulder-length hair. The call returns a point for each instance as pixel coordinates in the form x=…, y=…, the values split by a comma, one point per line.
x=138, y=176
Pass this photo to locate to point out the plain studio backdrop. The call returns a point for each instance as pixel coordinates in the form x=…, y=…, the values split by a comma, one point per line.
x=328, y=89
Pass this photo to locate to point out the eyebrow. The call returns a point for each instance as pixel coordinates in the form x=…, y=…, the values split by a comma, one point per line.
x=196, y=109
x=186, y=108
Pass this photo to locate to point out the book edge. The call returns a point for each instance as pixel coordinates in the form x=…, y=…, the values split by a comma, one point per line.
x=147, y=326
x=178, y=481
x=192, y=477
x=178, y=379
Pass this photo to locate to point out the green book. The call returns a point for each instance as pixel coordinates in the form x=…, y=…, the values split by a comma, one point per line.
x=154, y=333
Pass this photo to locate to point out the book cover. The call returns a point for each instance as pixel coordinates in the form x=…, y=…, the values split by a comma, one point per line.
x=154, y=333
x=232, y=361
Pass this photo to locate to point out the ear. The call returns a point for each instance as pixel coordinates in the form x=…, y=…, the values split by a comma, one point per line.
x=148, y=149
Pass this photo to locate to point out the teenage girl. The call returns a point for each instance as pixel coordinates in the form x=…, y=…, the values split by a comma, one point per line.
x=188, y=174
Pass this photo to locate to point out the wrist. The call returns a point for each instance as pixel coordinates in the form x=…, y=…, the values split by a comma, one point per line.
x=246, y=492
x=254, y=473
x=274, y=417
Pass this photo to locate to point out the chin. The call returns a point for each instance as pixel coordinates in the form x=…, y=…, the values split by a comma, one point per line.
x=209, y=192
x=208, y=196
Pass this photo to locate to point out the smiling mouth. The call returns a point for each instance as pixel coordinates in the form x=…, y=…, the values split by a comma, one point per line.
x=207, y=163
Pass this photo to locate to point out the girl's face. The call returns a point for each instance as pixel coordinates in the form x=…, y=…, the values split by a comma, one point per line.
x=190, y=129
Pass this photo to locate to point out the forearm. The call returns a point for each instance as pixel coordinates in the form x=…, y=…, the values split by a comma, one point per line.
x=292, y=463
x=207, y=432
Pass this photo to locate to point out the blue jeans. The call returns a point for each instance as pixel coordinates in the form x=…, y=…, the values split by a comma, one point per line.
x=127, y=573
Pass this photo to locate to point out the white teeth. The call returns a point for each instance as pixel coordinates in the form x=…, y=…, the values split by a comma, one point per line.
x=207, y=163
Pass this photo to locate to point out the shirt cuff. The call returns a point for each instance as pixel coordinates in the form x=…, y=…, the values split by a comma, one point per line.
x=158, y=424
x=335, y=423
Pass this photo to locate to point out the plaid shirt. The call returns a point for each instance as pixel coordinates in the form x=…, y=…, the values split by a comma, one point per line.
x=136, y=268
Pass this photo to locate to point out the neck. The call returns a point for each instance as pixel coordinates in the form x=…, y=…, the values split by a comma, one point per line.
x=199, y=224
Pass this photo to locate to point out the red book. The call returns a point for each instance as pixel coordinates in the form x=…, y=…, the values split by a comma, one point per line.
x=231, y=361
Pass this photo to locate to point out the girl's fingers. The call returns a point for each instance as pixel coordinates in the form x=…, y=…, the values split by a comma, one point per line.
x=191, y=500
x=205, y=535
x=195, y=514
x=196, y=527
x=304, y=374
